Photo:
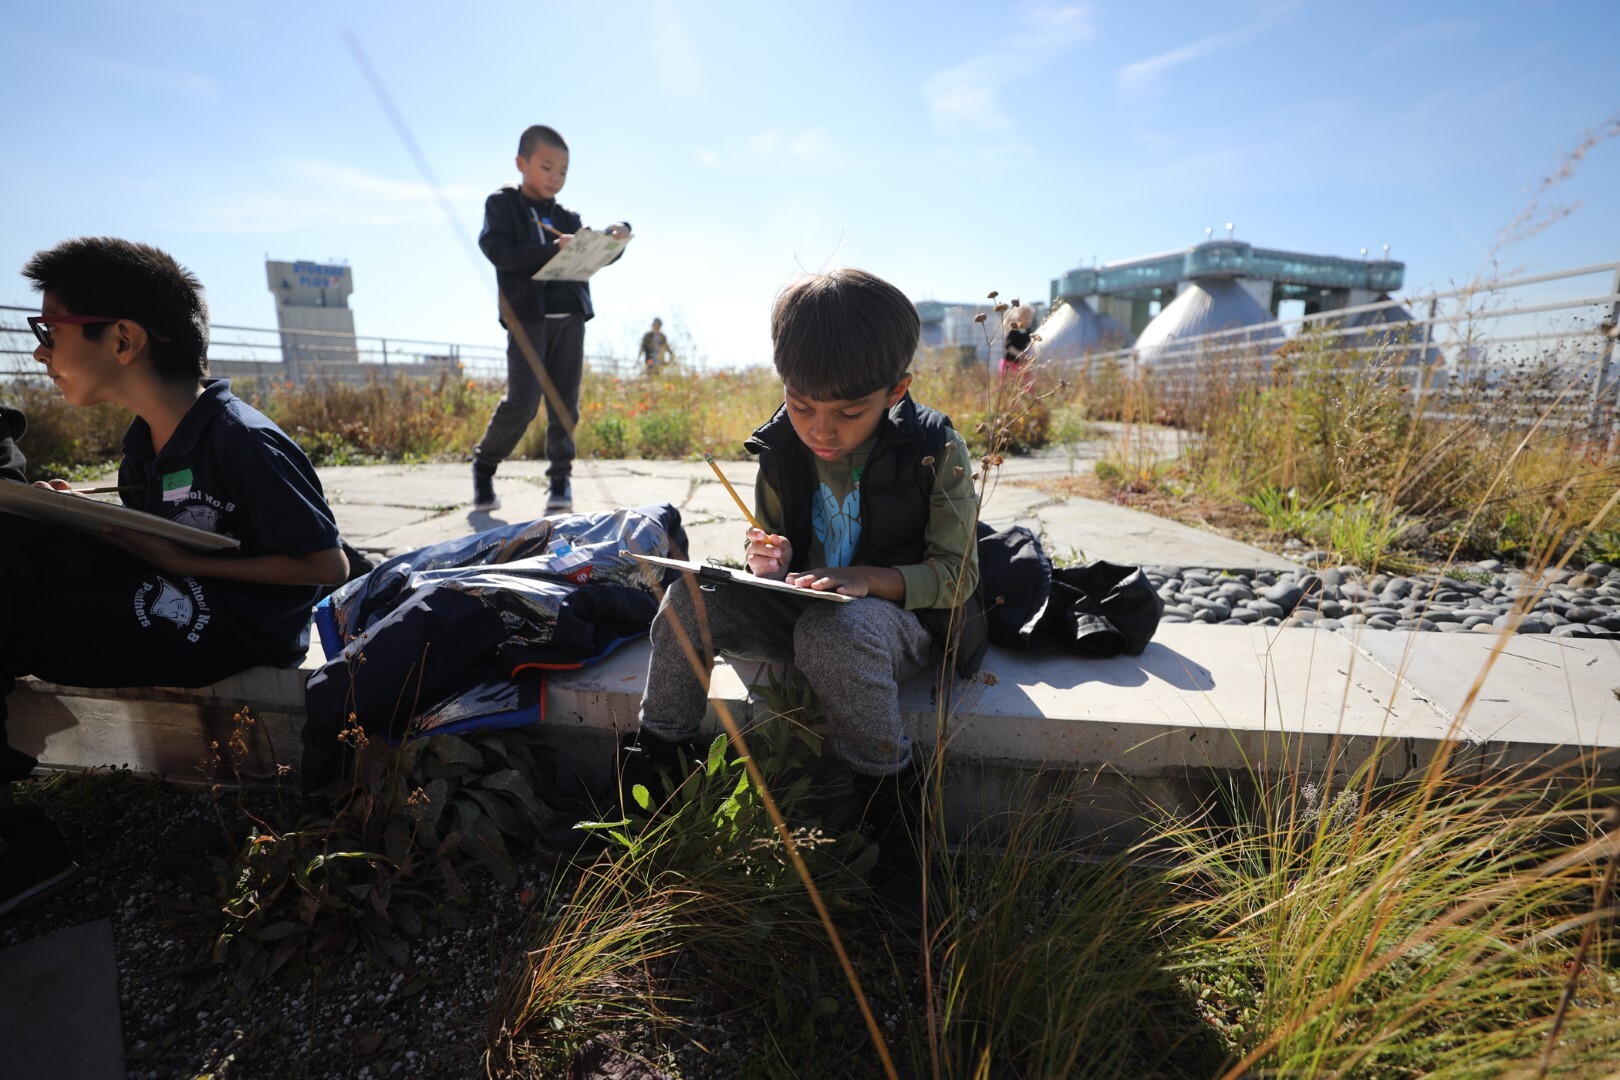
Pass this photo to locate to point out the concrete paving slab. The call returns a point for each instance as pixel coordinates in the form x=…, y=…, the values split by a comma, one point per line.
x=1537, y=692
x=59, y=1012
x=1225, y=698
x=398, y=508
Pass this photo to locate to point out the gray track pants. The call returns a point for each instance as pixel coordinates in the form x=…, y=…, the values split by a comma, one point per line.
x=560, y=344
x=854, y=656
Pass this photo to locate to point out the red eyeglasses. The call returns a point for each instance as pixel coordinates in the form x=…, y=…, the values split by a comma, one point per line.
x=41, y=325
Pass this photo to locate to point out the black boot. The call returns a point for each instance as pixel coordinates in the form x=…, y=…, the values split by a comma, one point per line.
x=892, y=818
x=658, y=765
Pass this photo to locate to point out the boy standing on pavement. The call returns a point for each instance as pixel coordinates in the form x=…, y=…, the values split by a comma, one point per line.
x=123, y=323
x=861, y=491
x=524, y=227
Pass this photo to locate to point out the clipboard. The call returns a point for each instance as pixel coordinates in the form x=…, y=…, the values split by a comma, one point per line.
x=710, y=572
x=88, y=515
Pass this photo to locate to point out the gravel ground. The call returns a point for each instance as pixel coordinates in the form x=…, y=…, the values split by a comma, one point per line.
x=155, y=871
x=1479, y=598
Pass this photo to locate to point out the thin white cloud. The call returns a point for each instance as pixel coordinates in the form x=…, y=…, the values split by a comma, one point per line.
x=1142, y=76
x=964, y=100
x=318, y=194
x=1429, y=33
x=173, y=80
x=221, y=14
x=1142, y=79
x=771, y=146
x=679, y=66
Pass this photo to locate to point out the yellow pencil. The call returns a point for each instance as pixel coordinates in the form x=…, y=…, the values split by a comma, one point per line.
x=747, y=513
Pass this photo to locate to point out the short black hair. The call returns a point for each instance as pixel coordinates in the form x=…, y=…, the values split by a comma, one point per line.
x=103, y=275
x=536, y=135
x=842, y=335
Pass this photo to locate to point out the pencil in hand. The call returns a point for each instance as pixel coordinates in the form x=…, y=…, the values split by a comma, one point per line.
x=747, y=513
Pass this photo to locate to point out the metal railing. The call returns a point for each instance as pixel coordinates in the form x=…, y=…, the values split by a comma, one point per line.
x=294, y=355
x=1538, y=349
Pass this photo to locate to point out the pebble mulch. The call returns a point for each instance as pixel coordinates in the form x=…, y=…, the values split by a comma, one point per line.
x=1483, y=597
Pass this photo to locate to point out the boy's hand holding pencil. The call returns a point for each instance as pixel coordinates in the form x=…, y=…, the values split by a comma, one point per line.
x=768, y=555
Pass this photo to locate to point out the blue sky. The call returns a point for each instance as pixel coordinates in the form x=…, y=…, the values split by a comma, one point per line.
x=953, y=148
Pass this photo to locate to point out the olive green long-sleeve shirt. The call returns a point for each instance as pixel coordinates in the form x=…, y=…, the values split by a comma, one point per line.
x=949, y=547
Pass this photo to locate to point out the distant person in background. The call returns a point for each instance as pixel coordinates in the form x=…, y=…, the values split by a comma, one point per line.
x=12, y=426
x=655, y=350
x=1016, y=343
x=524, y=227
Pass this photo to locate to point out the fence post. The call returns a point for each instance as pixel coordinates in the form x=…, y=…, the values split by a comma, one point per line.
x=1421, y=367
x=385, y=359
x=1600, y=428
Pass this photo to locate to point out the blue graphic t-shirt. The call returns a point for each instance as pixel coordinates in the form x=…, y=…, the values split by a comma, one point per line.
x=835, y=510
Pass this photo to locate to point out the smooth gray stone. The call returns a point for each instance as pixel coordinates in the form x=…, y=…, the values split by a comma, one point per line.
x=1417, y=624
x=1329, y=624
x=1477, y=620
x=1333, y=577
x=1490, y=565
x=1449, y=596
x=1441, y=615
x=1186, y=611
x=1532, y=626
x=1245, y=615
x=1192, y=578
x=1574, y=630
x=1451, y=628
x=1174, y=617
x=1331, y=609
x=1206, y=617
x=1231, y=622
x=1607, y=622
x=1382, y=622
x=1266, y=608
x=1220, y=608
x=1269, y=620
x=1285, y=595
x=1601, y=569
x=1581, y=614
x=1236, y=590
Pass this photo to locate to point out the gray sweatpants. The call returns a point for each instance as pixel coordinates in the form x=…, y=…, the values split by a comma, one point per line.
x=854, y=656
x=560, y=344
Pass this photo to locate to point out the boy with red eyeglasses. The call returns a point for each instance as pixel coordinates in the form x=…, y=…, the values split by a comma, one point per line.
x=124, y=323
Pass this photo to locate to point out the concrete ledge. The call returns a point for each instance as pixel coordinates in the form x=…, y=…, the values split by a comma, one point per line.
x=172, y=732
x=1202, y=706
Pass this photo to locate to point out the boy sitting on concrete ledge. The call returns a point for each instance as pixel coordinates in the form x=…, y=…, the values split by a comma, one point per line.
x=861, y=491
x=125, y=323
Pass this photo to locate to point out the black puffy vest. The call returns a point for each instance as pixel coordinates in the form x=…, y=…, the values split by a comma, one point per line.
x=895, y=491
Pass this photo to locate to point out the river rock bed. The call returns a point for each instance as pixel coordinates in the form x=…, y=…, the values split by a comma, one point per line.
x=1483, y=597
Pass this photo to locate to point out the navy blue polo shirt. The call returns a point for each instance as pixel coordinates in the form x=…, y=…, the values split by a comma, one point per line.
x=229, y=469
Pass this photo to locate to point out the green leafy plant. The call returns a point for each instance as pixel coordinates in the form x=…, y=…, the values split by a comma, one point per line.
x=664, y=434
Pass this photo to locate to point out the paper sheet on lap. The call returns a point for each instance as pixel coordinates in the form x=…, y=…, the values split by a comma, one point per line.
x=709, y=572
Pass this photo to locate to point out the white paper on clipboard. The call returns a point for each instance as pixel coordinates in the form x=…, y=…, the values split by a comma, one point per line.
x=710, y=572
x=585, y=254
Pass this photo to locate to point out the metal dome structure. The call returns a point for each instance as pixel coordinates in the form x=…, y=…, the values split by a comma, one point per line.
x=1074, y=329
x=1386, y=330
x=1208, y=305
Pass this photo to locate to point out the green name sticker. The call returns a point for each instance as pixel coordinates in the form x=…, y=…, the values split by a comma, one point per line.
x=176, y=485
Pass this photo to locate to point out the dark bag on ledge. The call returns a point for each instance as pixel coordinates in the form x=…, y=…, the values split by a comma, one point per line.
x=1096, y=610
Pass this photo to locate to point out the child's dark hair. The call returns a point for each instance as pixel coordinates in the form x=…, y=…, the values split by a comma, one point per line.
x=842, y=335
x=537, y=135
x=102, y=275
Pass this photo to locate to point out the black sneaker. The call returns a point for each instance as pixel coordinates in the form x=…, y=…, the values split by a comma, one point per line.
x=649, y=761
x=561, y=499
x=484, y=497
x=34, y=861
